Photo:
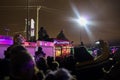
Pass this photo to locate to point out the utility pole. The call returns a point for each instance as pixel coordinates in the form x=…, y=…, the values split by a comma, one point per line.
x=37, y=21
x=27, y=22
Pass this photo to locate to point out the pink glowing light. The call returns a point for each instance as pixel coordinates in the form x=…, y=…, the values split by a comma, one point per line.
x=6, y=40
x=45, y=43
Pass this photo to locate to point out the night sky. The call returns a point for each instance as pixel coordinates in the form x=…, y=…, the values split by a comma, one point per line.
x=56, y=15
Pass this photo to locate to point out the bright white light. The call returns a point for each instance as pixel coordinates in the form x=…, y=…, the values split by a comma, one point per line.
x=82, y=21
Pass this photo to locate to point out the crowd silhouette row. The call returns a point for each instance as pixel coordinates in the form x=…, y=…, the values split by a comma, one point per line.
x=18, y=64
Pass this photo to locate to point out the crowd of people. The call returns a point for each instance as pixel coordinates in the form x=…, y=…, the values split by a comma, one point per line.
x=18, y=64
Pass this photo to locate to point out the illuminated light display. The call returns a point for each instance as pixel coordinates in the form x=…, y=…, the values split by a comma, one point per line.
x=62, y=48
x=45, y=43
x=47, y=47
x=32, y=28
x=6, y=40
x=26, y=44
x=39, y=43
x=5, y=37
x=32, y=44
x=57, y=51
x=61, y=42
x=56, y=48
x=66, y=50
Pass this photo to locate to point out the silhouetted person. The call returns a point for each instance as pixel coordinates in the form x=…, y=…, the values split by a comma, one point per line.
x=42, y=34
x=60, y=74
x=42, y=64
x=18, y=39
x=54, y=66
x=22, y=65
x=61, y=36
x=39, y=53
x=81, y=44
